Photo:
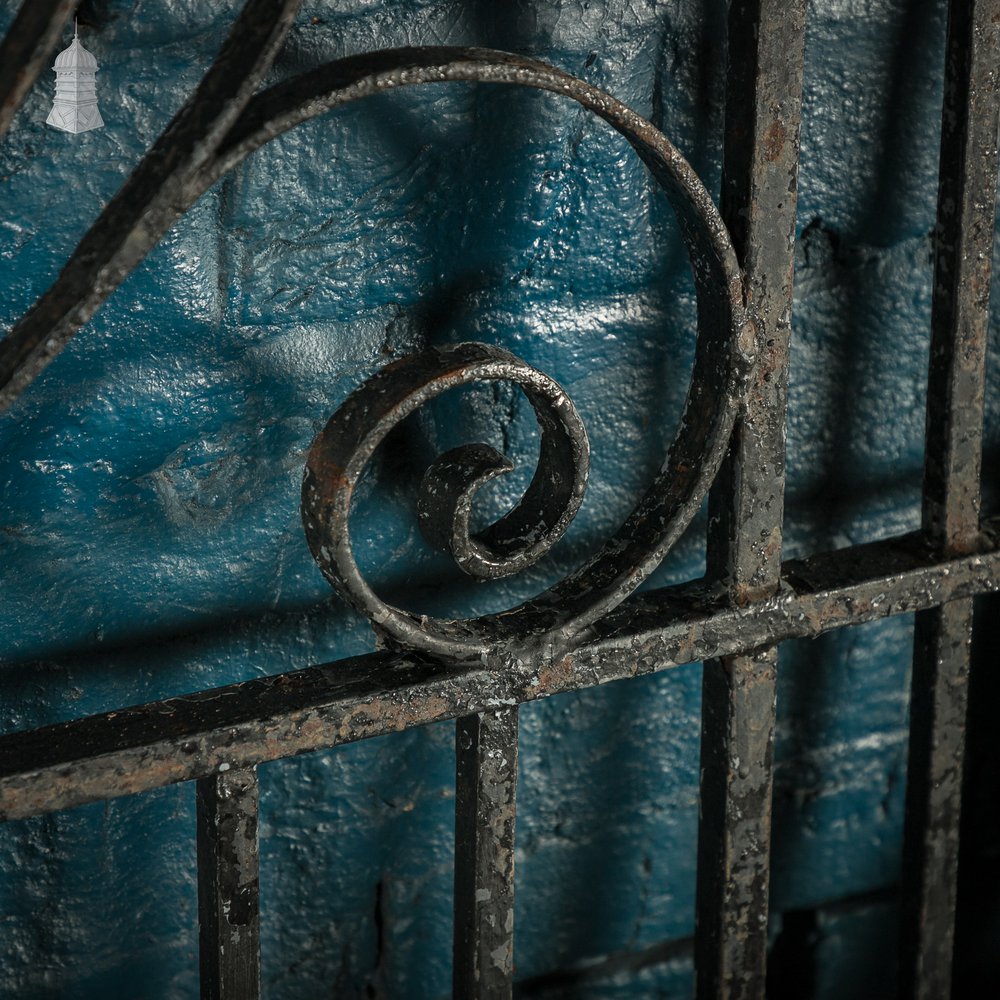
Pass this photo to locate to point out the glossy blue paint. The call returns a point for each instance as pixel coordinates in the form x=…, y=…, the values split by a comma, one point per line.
x=149, y=480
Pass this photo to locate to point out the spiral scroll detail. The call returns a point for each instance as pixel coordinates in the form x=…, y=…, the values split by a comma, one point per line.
x=725, y=353
x=343, y=448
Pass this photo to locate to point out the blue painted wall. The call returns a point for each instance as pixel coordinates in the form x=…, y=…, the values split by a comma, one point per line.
x=149, y=482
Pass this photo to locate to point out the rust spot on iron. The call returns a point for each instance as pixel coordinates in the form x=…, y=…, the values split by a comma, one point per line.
x=329, y=474
x=774, y=141
x=555, y=676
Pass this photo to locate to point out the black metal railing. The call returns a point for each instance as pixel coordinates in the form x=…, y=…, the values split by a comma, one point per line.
x=589, y=628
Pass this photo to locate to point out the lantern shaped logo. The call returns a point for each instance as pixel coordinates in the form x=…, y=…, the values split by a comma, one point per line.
x=75, y=106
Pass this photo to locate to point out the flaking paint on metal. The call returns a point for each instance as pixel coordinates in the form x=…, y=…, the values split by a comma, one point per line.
x=818, y=200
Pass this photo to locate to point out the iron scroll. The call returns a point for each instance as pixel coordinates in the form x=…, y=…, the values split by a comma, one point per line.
x=221, y=125
x=726, y=350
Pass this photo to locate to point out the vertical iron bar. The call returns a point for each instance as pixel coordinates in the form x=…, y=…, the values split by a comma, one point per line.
x=952, y=466
x=485, y=807
x=763, y=108
x=228, y=894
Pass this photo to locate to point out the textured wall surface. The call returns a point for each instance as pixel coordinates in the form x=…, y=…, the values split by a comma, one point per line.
x=149, y=528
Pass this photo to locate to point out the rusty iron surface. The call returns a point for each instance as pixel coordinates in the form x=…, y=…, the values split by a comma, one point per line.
x=343, y=448
x=229, y=884
x=551, y=621
x=178, y=739
x=727, y=344
x=590, y=628
x=213, y=132
x=546, y=628
x=963, y=251
x=760, y=172
x=485, y=813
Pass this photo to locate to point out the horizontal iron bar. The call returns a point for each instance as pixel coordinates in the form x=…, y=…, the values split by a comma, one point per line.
x=178, y=739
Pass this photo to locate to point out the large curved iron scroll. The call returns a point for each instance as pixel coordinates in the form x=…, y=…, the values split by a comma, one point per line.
x=222, y=124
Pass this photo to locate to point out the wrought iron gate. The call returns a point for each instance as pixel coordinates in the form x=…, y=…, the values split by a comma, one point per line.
x=587, y=630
